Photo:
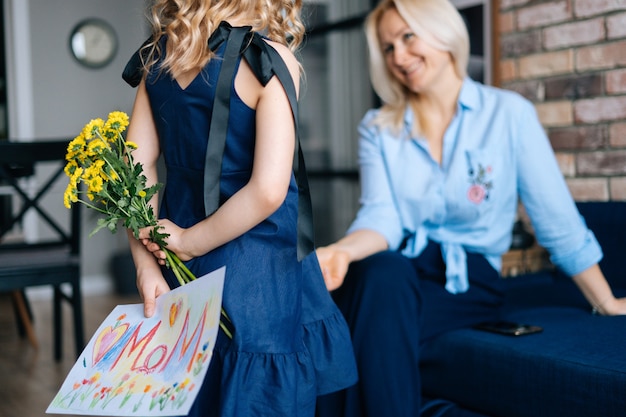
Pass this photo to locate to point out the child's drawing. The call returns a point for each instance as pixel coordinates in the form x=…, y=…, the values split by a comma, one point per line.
x=134, y=366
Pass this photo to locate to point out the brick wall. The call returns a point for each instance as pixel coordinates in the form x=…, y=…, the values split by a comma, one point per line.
x=569, y=58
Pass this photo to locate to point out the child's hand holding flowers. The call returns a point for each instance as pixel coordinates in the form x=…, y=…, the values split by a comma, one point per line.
x=101, y=159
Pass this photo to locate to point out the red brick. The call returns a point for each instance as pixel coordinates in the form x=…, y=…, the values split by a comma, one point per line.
x=588, y=137
x=566, y=163
x=533, y=90
x=555, y=113
x=601, y=163
x=518, y=44
x=602, y=56
x=547, y=64
x=615, y=81
x=543, y=14
x=506, y=22
x=507, y=4
x=600, y=109
x=508, y=69
x=616, y=26
x=571, y=34
x=584, y=8
x=617, y=135
x=618, y=188
x=589, y=189
x=573, y=86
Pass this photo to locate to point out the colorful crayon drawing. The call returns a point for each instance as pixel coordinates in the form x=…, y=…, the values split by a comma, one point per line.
x=134, y=366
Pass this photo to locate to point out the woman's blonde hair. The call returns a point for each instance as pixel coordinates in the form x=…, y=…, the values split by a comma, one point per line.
x=188, y=25
x=437, y=22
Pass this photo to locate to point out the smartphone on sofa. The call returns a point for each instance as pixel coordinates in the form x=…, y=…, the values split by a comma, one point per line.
x=508, y=328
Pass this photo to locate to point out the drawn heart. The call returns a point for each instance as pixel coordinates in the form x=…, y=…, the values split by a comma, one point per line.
x=174, y=310
x=107, y=339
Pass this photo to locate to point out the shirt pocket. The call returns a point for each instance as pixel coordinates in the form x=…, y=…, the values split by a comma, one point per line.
x=474, y=187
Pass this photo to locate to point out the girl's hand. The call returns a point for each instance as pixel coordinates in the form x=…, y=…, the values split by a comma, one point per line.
x=151, y=284
x=174, y=241
x=334, y=263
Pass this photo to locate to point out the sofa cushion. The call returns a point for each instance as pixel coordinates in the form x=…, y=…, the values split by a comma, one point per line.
x=575, y=367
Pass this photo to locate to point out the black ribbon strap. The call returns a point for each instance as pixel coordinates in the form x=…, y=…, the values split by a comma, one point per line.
x=219, y=122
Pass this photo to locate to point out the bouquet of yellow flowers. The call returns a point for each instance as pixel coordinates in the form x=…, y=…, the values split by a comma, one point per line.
x=101, y=159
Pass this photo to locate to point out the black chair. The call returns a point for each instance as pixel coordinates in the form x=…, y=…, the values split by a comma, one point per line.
x=33, y=181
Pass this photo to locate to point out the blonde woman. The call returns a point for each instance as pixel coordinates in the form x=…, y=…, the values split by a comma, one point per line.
x=214, y=99
x=443, y=163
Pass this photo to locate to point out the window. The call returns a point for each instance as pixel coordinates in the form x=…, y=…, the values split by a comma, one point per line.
x=477, y=16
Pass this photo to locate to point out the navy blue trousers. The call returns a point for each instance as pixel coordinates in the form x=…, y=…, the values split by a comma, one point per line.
x=394, y=305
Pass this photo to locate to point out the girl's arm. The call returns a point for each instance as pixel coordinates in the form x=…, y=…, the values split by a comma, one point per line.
x=150, y=281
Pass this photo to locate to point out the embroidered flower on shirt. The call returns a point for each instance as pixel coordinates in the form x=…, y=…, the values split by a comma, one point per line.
x=480, y=184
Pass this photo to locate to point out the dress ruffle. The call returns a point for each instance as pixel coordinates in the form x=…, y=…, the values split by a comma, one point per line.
x=255, y=384
x=334, y=369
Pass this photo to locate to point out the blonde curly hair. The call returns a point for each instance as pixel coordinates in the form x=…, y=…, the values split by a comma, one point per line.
x=188, y=24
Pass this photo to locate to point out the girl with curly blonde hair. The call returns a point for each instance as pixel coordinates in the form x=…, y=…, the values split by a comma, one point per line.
x=217, y=92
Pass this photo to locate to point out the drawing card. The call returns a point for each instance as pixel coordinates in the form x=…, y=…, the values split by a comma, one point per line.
x=137, y=366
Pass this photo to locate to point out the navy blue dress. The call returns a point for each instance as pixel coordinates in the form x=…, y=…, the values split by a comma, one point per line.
x=291, y=343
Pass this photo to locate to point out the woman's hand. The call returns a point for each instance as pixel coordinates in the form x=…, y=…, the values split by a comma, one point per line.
x=336, y=258
x=174, y=241
x=612, y=307
x=334, y=263
x=597, y=291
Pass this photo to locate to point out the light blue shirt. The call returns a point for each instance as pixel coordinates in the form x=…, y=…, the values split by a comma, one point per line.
x=494, y=151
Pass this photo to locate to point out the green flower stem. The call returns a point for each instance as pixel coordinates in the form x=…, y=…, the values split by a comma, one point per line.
x=91, y=206
x=188, y=276
x=179, y=268
x=223, y=326
x=170, y=263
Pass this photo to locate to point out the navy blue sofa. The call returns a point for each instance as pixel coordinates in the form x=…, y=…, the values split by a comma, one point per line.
x=575, y=368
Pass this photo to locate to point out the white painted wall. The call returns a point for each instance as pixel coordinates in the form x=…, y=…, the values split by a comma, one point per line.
x=52, y=96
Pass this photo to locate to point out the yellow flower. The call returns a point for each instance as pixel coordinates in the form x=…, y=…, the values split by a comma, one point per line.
x=78, y=173
x=70, y=195
x=75, y=147
x=131, y=145
x=141, y=194
x=96, y=146
x=70, y=168
x=117, y=121
x=96, y=169
x=90, y=129
x=95, y=184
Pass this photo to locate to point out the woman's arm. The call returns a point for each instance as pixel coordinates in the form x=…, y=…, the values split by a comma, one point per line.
x=334, y=259
x=557, y=222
